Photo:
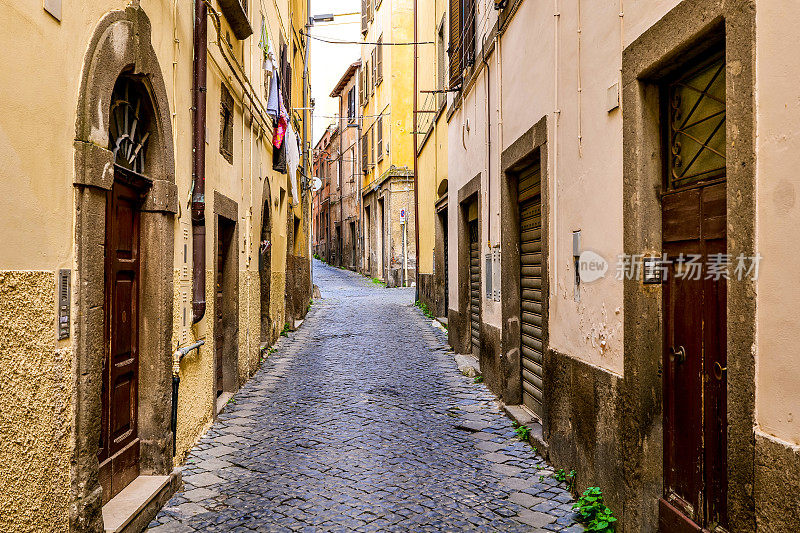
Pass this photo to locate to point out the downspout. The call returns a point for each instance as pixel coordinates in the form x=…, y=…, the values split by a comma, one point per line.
x=416, y=170
x=199, y=161
x=488, y=151
x=339, y=170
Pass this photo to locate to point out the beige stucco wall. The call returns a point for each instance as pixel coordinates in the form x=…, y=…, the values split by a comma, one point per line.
x=35, y=406
x=778, y=217
x=584, y=165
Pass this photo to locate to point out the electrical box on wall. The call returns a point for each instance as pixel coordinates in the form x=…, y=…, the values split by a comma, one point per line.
x=488, y=275
x=64, y=278
x=496, y=271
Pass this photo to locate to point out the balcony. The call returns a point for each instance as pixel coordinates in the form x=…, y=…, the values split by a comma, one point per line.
x=235, y=12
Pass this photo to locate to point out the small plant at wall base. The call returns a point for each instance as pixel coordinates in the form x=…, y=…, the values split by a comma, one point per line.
x=562, y=476
x=593, y=512
x=285, y=330
x=523, y=433
x=478, y=379
x=424, y=307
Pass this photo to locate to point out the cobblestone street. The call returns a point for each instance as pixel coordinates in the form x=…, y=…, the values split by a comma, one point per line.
x=361, y=421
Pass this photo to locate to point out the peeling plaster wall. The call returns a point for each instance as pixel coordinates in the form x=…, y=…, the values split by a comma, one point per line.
x=35, y=406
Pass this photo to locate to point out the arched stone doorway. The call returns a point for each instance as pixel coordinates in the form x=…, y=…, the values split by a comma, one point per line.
x=265, y=266
x=115, y=162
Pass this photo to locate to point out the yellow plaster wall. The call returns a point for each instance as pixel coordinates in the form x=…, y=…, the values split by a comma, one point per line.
x=432, y=157
x=35, y=406
x=37, y=129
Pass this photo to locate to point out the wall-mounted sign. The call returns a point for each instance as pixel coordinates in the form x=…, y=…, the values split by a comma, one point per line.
x=402, y=216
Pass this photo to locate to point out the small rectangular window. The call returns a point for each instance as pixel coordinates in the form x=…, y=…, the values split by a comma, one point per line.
x=226, y=125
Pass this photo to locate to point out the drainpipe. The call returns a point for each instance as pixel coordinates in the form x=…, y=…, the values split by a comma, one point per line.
x=176, y=381
x=416, y=180
x=199, y=161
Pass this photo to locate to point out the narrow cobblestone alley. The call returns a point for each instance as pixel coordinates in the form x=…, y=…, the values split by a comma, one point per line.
x=361, y=421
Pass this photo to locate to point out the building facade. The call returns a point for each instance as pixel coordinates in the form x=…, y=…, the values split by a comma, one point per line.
x=593, y=149
x=431, y=145
x=348, y=164
x=155, y=220
x=324, y=245
x=387, y=152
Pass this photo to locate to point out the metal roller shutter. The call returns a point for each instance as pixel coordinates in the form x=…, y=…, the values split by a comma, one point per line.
x=474, y=287
x=531, y=298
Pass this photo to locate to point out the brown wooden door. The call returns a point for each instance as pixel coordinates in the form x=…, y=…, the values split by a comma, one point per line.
x=219, y=331
x=695, y=388
x=119, y=440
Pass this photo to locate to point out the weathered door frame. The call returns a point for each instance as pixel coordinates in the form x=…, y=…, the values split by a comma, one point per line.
x=688, y=31
x=530, y=147
x=120, y=44
x=459, y=322
x=226, y=213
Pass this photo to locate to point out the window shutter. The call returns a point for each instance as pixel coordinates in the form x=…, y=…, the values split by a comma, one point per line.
x=364, y=16
x=364, y=152
x=468, y=34
x=455, y=43
x=372, y=146
x=379, y=63
x=379, y=144
x=374, y=71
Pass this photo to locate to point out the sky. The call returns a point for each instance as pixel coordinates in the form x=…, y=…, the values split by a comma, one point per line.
x=327, y=62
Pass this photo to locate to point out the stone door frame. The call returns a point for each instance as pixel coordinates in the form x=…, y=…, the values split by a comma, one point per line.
x=120, y=45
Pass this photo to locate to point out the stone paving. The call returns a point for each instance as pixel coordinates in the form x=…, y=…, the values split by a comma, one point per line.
x=360, y=421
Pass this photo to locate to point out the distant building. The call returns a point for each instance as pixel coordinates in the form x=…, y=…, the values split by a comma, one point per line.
x=387, y=152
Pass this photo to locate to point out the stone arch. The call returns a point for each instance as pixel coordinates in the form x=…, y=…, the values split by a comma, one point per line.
x=120, y=45
x=265, y=265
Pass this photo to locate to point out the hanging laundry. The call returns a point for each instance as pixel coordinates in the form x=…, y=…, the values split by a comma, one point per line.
x=292, y=160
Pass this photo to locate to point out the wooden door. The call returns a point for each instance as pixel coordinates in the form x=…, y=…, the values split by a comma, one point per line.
x=223, y=242
x=119, y=440
x=694, y=304
x=474, y=289
x=695, y=358
x=530, y=291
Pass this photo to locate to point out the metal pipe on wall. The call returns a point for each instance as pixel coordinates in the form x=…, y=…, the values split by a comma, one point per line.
x=199, y=72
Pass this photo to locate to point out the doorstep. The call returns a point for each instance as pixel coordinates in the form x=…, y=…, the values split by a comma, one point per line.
x=524, y=417
x=468, y=365
x=138, y=503
x=222, y=401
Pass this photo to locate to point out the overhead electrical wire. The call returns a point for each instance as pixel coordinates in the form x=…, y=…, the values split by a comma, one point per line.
x=338, y=41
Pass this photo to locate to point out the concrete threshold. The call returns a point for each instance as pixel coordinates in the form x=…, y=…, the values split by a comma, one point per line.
x=468, y=365
x=222, y=401
x=524, y=417
x=138, y=503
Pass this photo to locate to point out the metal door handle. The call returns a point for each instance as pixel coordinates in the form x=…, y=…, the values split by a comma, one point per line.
x=677, y=355
x=719, y=370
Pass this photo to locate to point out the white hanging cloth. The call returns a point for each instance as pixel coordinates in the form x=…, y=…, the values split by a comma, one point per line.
x=292, y=159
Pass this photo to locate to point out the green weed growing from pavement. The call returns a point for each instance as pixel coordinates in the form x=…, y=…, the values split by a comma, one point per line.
x=562, y=476
x=478, y=379
x=523, y=433
x=593, y=512
x=285, y=330
x=376, y=281
x=425, y=311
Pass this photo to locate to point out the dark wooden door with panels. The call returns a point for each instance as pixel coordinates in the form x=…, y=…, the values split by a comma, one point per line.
x=694, y=236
